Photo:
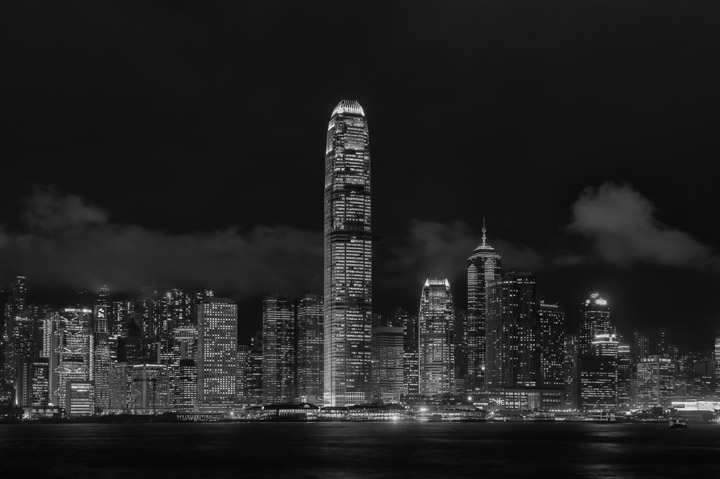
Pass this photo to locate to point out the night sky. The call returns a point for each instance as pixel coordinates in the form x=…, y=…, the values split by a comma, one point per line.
x=182, y=144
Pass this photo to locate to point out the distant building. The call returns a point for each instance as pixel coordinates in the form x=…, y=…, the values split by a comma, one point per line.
x=409, y=323
x=74, y=350
x=254, y=379
x=243, y=365
x=624, y=375
x=40, y=383
x=660, y=345
x=217, y=354
x=532, y=399
x=310, y=348
x=387, y=363
x=483, y=267
x=641, y=347
x=571, y=370
x=102, y=359
x=654, y=382
x=279, y=353
x=150, y=389
x=184, y=386
x=551, y=342
x=594, y=320
x=703, y=375
x=120, y=396
x=513, y=359
x=598, y=374
x=79, y=398
x=436, y=321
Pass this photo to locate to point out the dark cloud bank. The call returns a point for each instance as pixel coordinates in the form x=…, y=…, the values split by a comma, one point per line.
x=73, y=243
x=68, y=241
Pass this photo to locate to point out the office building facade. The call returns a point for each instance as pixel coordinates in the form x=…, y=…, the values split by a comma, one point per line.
x=348, y=257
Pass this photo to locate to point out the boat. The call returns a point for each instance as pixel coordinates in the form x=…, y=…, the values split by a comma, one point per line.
x=677, y=423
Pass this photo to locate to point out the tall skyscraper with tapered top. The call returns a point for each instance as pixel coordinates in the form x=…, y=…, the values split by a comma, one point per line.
x=348, y=257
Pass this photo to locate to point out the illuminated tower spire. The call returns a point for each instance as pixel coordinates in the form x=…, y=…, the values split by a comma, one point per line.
x=348, y=257
x=484, y=236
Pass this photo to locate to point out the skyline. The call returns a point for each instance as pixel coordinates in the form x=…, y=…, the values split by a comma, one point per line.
x=616, y=123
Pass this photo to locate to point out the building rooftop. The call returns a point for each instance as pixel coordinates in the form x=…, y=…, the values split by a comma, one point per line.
x=348, y=106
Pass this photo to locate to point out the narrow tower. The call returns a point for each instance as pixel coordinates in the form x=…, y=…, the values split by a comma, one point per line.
x=348, y=257
x=483, y=267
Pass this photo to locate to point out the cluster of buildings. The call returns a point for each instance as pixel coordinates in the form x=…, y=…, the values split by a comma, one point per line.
x=505, y=349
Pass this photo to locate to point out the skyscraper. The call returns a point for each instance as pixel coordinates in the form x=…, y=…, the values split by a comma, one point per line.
x=74, y=350
x=624, y=374
x=436, y=320
x=654, y=382
x=594, y=320
x=278, y=349
x=348, y=257
x=551, y=342
x=101, y=361
x=512, y=353
x=217, y=353
x=483, y=266
x=409, y=324
x=598, y=374
x=310, y=348
x=387, y=363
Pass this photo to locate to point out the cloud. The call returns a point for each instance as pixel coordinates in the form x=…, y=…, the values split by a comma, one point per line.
x=622, y=224
x=70, y=242
x=434, y=249
x=46, y=210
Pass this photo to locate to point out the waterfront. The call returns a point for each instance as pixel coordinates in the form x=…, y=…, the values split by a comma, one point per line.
x=349, y=450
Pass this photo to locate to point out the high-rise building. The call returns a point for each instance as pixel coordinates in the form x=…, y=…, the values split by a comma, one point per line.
x=655, y=381
x=436, y=320
x=75, y=351
x=18, y=294
x=483, y=266
x=183, y=386
x=594, y=320
x=387, y=363
x=598, y=374
x=120, y=396
x=702, y=374
x=310, y=348
x=243, y=362
x=512, y=354
x=40, y=383
x=571, y=368
x=19, y=351
x=641, y=347
x=103, y=298
x=150, y=389
x=551, y=342
x=217, y=354
x=120, y=312
x=102, y=360
x=660, y=346
x=348, y=257
x=254, y=380
x=409, y=323
x=79, y=398
x=624, y=375
x=278, y=349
